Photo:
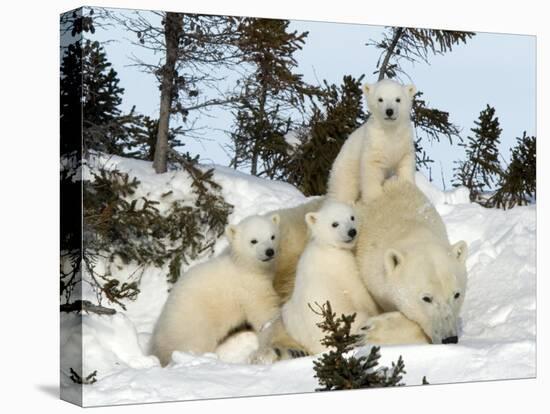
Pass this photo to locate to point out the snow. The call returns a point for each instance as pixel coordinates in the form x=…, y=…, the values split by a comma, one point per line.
x=498, y=338
x=292, y=138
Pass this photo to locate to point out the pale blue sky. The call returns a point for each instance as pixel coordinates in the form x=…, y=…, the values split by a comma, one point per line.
x=495, y=69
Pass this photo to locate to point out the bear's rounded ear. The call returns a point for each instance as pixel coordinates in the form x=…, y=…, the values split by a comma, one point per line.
x=392, y=259
x=460, y=251
x=411, y=90
x=311, y=219
x=230, y=232
x=275, y=218
x=367, y=88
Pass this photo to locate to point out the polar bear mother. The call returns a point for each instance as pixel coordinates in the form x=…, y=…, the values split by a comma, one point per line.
x=414, y=274
x=408, y=264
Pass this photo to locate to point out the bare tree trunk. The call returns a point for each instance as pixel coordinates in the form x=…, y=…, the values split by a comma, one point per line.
x=255, y=155
x=254, y=161
x=389, y=52
x=173, y=26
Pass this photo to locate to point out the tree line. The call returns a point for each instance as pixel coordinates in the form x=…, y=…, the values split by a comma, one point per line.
x=283, y=127
x=269, y=100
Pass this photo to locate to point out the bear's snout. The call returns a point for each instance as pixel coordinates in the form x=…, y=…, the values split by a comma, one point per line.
x=352, y=233
x=389, y=112
x=269, y=252
x=450, y=340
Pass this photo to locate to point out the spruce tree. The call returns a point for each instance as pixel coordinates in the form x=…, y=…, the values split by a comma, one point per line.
x=337, y=114
x=337, y=370
x=105, y=128
x=70, y=97
x=144, y=138
x=271, y=93
x=88, y=77
x=518, y=183
x=73, y=25
x=481, y=169
x=101, y=91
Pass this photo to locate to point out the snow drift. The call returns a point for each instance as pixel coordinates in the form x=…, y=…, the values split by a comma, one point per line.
x=498, y=338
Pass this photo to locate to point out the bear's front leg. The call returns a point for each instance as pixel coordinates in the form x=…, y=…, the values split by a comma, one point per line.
x=358, y=325
x=372, y=179
x=393, y=328
x=263, y=312
x=406, y=168
x=265, y=354
x=343, y=183
x=284, y=345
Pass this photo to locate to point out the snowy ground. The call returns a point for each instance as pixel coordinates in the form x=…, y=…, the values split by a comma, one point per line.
x=498, y=339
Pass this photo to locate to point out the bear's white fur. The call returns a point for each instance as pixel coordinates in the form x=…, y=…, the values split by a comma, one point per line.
x=393, y=328
x=223, y=293
x=327, y=271
x=381, y=147
x=408, y=265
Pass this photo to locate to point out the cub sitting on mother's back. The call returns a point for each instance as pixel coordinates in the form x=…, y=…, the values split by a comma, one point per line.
x=382, y=147
x=327, y=270
x=216, y=298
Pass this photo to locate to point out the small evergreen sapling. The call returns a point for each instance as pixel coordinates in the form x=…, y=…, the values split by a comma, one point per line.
x=337, y=371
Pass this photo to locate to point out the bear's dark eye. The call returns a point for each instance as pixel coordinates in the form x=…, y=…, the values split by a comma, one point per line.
x=273, y=237
x=253, y=241
x=427, y=299
x=352, y=218
x=334, y=224
x=457, y=295
x=397, y=100
x=380, y=100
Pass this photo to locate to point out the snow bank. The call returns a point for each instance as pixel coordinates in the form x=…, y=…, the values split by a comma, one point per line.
x=498, y=338
x=459, y=195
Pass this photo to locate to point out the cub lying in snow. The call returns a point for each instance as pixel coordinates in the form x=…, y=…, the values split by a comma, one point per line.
x=225, y=295
x=327, y=270
x=381, y=147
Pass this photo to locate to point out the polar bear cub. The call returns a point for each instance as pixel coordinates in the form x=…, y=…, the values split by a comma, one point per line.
x=227, y=294
x=380, y=148
x=327, y=270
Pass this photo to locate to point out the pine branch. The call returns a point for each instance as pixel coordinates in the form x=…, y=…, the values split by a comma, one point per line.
x=90, y=379
x=337, y=371
x=86, y=306
x=383, y=69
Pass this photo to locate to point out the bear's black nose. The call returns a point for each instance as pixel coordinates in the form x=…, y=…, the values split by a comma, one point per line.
x=450, y=340
x=389, y=112
x=352, y=233
x=269, y=252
